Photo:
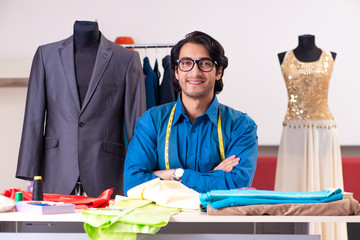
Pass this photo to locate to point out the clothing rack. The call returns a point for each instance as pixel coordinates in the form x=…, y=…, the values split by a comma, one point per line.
x=169, y=45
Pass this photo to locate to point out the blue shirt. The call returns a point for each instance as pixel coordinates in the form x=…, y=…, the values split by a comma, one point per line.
x=193, y=147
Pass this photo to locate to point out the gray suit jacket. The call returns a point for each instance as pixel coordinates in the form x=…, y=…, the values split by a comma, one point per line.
x=61, y=141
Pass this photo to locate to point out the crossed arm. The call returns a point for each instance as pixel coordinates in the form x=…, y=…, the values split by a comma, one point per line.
x=227, y=165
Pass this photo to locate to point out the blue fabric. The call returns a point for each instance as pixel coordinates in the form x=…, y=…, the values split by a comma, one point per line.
x=231, y=198
x=151, y=84
x=167, y=92
x=193, y=146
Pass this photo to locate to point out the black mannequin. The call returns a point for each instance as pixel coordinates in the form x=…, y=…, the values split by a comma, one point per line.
x=86, y=43
x=306, y=51
x=86, y=32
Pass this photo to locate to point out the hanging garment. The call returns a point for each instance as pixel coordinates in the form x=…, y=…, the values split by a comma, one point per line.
x=158, y=75
x=167, y=93
x=309, y=157
x=151, y=84
x=156, y=70
x=61, y=139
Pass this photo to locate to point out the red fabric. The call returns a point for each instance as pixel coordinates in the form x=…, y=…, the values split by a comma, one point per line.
x=351, y=170
x=264, y=178
x=79, y=201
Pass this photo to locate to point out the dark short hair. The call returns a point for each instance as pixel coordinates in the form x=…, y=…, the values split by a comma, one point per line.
x=216, y=52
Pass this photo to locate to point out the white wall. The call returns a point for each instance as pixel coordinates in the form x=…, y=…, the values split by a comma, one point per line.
x=251, y=31
x=12, y=103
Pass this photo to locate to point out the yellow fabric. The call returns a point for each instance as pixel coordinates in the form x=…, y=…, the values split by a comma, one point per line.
x=167, y=193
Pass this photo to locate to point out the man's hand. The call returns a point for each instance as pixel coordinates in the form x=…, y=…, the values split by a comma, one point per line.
x=228, y=164
x=164, y=174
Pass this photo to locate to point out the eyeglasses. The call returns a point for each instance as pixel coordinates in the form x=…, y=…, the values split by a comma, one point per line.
x=204, y=64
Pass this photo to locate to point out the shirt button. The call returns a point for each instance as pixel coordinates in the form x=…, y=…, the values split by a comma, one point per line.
x=81, y=124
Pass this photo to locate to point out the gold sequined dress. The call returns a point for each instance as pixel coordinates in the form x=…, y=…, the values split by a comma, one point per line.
x=309, y=157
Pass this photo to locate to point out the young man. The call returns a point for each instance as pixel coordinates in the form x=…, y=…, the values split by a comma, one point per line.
x=203, y=144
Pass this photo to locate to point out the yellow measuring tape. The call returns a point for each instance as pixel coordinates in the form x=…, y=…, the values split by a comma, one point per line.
x=168, y=131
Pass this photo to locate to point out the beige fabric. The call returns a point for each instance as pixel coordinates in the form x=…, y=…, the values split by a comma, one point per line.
x=343, y=207
x=6, y=204
x=309, y=158
x=167, y=193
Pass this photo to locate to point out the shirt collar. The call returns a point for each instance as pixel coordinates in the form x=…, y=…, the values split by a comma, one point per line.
x=212, y=111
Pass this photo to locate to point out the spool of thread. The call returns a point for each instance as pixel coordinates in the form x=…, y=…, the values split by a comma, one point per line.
x=37, y=189
x=18, y=196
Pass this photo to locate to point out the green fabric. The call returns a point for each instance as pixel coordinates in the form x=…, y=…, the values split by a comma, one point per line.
x=137, y=216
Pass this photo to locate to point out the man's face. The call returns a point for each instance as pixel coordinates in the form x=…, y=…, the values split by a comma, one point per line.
x=195, y=83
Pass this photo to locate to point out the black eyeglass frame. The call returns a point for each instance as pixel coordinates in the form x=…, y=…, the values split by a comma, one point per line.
x=197, y=62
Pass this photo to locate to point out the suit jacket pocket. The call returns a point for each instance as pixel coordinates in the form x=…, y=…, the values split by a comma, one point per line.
x=112, y=147
x=51, y=142
x=108, y=86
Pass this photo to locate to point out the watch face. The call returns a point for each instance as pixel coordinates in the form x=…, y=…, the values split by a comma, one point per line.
x=178, y=173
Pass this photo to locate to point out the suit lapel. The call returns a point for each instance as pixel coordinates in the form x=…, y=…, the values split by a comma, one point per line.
x=102, y=59
x=67, y=59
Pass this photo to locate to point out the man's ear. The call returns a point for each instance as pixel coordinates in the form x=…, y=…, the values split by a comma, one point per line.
x=176, y=73
x=218, y=74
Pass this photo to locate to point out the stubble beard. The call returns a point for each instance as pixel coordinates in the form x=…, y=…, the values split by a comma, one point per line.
x=193, y=93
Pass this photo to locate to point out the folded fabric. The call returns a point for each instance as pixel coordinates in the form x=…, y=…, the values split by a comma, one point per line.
x=342, y=207
x=229, y=198
x=167, y=193
x=6, y=204
x=134, y=216
x=80, y=202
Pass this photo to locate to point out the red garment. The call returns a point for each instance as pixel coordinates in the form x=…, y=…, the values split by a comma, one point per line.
x=80, y=202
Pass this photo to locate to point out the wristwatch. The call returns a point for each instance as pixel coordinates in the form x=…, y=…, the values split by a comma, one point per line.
x=178, y=173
